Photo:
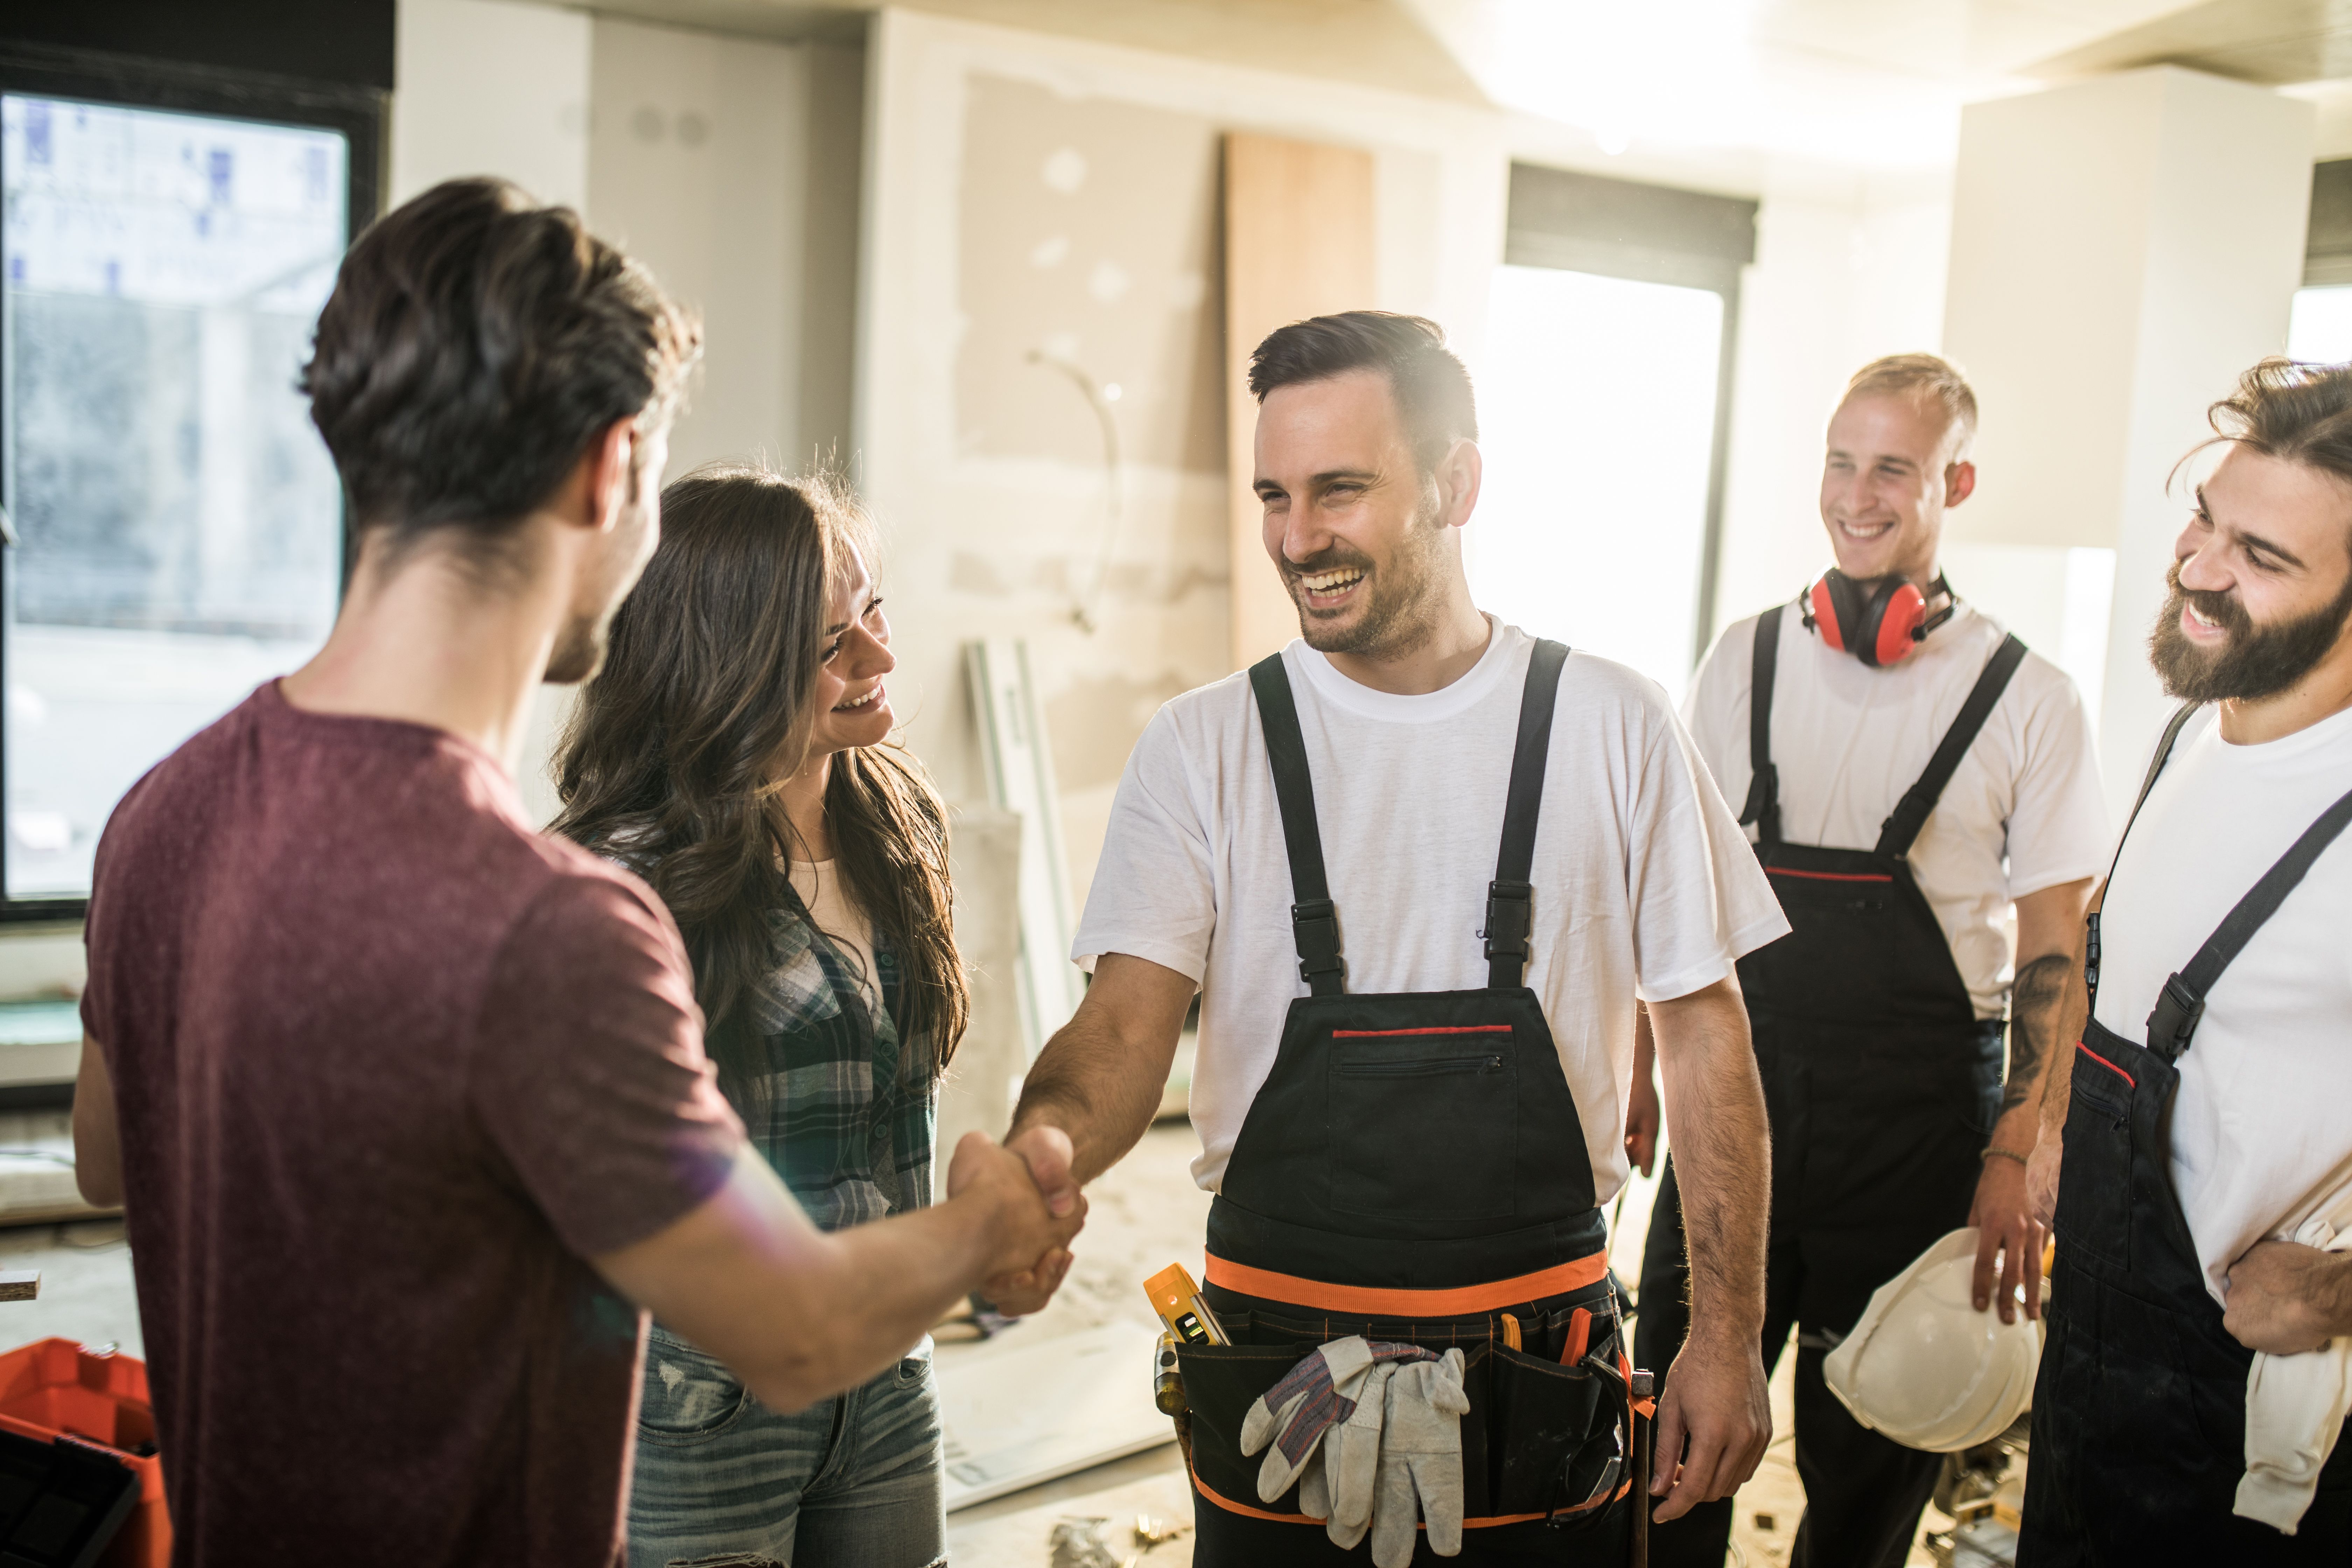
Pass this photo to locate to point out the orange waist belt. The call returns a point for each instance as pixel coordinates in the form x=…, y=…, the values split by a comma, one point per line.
x=1372, y=1302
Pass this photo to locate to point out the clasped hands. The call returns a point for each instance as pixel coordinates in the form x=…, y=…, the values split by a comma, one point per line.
x=1030, y=1174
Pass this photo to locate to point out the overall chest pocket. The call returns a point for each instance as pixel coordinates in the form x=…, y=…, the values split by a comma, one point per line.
x=1423, y=1122
x=2094, y=1210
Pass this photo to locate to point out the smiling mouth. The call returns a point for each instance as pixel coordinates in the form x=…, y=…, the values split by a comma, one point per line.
x=1864, y=529
x=1324, y=589
x=860, y=704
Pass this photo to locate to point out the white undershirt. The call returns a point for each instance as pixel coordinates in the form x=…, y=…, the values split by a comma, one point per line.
x=1644, y=884
x=2023, y=811
x=2260, y=1117
x=820, y=887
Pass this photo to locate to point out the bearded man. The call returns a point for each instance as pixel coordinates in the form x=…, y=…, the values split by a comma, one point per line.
x=2195, y=1160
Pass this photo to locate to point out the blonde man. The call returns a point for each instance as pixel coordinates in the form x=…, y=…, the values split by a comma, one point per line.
x=1911, y=775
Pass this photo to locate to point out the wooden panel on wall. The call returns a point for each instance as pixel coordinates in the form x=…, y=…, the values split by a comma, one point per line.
x=1299, y=242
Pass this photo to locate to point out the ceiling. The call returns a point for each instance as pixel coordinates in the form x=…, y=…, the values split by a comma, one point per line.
x=1868, y=84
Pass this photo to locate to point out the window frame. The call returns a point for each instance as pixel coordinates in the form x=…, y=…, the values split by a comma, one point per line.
x=1581, y=221
x=358, y=113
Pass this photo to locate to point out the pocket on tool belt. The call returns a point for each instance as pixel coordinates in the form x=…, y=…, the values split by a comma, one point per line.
x=1538, y=1436
x=1221, y=1383
x=1424, y=1122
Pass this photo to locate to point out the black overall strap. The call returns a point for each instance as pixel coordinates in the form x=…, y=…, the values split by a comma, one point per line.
x=1763, y=807
x=1911, y=813
x=2181, y=1003
x=2181, y=718
x=1314, y=922
x=1510, y=897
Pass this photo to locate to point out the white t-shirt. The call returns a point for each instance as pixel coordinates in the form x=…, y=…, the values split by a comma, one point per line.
x=2023, y=812
x=1642, y=882
x=2260, y=1117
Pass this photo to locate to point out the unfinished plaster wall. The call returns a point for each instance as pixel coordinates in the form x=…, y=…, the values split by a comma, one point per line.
x=1029, y=194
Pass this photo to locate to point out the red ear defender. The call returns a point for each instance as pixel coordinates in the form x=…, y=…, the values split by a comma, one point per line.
x=1877, y=622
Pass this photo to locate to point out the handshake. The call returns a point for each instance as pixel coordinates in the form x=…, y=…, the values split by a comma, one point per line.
x=1026, y=1198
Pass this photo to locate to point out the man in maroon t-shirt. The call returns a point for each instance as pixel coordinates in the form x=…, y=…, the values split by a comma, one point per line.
x=407, y=1104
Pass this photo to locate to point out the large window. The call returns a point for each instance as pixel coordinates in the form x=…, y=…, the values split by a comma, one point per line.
x=1602, y=412
x=176, y=523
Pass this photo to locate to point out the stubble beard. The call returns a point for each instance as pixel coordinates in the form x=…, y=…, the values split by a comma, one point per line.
x=2257, y=661
x=1397, y=619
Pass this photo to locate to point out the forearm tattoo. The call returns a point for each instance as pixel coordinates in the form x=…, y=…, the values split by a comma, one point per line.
x=2034, y=1002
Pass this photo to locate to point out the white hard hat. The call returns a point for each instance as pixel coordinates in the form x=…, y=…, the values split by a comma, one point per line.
x=1928, y=1370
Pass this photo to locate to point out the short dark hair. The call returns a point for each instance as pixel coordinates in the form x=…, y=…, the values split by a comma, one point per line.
x=1432, y=388
x=475, y=343
x=2296, y=413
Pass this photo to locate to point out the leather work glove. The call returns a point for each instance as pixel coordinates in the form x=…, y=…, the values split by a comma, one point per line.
x=1293, y=1415
x=1421, y=1460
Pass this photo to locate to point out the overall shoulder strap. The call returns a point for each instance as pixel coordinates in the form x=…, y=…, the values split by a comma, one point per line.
x=1314, y=922
x=1918, y=801
x=2181, y=718
x=2181, y=1003
x=1510, y=897
x=1763, y=807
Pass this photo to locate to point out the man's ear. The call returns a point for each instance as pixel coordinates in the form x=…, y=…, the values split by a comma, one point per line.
x=1459, y=474
x=607, y=466
x=1959, y=482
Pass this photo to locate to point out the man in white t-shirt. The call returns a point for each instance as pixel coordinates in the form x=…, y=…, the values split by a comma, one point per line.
x=2204, y=1114
x=1913, y=773
x=1417, y=1007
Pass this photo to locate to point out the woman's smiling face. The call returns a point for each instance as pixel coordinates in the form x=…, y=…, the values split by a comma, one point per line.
x=851, y=706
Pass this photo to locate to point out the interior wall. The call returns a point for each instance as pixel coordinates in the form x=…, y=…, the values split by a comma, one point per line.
x=1847, y=267
x=1036, y=194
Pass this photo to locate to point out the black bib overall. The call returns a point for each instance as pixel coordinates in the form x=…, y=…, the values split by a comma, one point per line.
x=1882, y=1085
x=2139, y=1414
x=1413, y=1169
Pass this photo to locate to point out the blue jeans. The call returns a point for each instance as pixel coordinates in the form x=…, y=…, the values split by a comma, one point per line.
x=852, y=1482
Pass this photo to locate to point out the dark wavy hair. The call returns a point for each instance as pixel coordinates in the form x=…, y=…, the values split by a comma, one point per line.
x=1432, y=388
x=2295, y=412
x=676, y=754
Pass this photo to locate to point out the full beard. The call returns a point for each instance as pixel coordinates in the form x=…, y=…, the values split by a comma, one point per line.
x=1396, y=618
x=2257, y=661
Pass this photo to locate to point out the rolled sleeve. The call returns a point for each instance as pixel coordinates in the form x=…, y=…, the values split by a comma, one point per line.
x=1700, y=900
x=1154, y=895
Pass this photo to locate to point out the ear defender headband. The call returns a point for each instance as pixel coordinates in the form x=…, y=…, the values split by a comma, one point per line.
x=1879, y=621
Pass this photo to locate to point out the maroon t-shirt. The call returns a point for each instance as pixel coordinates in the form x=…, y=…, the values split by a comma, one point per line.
x=387, y=1065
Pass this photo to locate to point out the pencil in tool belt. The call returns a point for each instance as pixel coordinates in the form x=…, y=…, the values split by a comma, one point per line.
x=1178, y=1301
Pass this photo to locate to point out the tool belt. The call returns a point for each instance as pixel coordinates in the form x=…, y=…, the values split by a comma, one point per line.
x=1549, y=1432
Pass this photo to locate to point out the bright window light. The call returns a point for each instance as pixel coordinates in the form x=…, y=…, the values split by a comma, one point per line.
x=1597, y=407
x=2320, y=330
x=178, y=518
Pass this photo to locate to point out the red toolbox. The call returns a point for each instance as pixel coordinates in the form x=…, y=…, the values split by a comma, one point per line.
x=54, y=1388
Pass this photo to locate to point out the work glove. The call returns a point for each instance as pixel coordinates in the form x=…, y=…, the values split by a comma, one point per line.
x=1290, y=1418
x=1351, y=1457
x=1420, y=1461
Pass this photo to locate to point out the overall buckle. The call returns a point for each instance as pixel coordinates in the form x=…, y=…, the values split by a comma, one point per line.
x=1510, y=916
x=1314, y=925
x=2174, y=1019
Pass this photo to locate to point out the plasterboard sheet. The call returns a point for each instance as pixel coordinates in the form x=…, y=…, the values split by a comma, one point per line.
x=1031, y=1413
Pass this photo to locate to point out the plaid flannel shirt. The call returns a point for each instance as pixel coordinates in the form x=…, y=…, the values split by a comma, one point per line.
x=849, y=1114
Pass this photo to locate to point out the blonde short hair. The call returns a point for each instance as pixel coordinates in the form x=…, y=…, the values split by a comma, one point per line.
x=1924, y=379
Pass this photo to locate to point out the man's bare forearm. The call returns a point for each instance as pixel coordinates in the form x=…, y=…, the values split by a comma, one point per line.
x=1723, y=1154
x=1099, y=1077
x=2037, y=1009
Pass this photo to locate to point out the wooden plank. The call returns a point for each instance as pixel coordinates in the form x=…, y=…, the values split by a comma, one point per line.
x=1298, y=242
x=1019, y=766
x=20, y=1284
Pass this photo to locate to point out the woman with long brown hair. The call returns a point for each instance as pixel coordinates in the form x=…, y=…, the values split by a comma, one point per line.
x=735, y=753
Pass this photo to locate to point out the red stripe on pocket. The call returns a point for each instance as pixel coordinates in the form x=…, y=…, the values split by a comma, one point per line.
x=1392, y=1034
x=1831, y=876
x=2106, y=1064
